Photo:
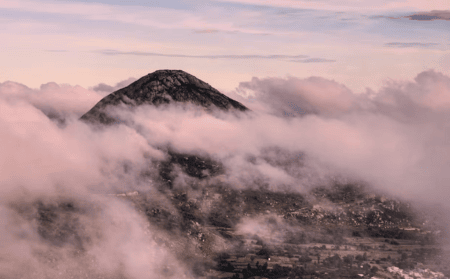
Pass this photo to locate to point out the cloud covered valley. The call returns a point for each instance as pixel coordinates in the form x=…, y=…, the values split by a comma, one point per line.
x=141, y=198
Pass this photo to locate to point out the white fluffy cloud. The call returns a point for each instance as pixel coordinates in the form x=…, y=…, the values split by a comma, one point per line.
x=395, y=139
x=41, y=162
x=51, y=98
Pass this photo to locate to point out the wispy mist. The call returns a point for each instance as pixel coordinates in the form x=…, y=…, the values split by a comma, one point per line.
x=300, y=133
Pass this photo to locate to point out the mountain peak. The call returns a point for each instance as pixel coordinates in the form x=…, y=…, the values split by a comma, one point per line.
x=163, y=87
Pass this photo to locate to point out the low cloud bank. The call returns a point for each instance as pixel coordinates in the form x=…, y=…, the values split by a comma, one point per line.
x=58, y=218
x=59, y=101
x=301, y=133
x=393, y=137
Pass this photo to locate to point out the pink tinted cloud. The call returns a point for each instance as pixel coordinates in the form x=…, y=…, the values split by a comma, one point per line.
x=429, y=89
x=105, y=89
x=390, y=137
x=41, y=162
x=294, y=96
x=342, y=133
x=52, y=98
x=162, y=18
x=377, y=136
x=60, y=100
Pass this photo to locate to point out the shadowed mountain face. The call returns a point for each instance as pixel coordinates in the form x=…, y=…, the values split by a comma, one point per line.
x=167, y=87
x=162, y=87
x=227, y=230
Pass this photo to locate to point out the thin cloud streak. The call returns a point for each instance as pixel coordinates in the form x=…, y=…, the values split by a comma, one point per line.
x=421, y=16
x=154, y=17
x=289, y=58
x=429, y=16
x=314, y=60
x=338, y=5
x=206, y=31
x=413, y=44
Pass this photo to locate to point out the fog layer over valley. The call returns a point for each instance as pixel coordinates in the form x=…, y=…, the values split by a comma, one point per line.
x=163, y=191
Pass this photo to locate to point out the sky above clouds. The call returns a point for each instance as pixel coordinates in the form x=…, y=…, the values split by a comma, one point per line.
x=358, y=43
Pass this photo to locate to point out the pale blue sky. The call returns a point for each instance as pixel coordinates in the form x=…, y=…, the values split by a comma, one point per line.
x=86, y=42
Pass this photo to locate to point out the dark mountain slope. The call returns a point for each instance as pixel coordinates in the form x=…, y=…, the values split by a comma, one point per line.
x=162, y=87
x=167, y=87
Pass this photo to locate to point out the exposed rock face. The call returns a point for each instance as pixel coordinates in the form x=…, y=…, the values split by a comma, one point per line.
x=162, y=87
x=193, y=165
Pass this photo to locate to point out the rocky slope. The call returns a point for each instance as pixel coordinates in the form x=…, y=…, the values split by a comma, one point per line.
x=162, y=87
x=333, y=231
x=290, y=235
